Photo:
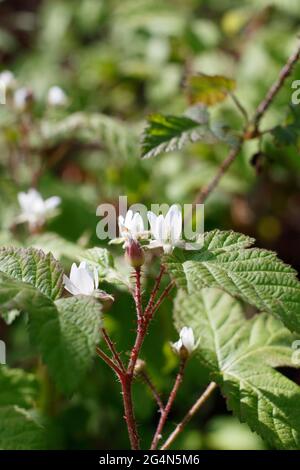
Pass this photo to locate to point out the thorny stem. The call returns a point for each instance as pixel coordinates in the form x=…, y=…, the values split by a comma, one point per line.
x=204, y=193
x=252, y=131
x=155, y=290
x=127, y=379
x=113, y=350
x=277, y=85
x=240, y=107
x=164, y=294
x=109, y=362
x=167, y=409
x=129, y=417
x=193, y=410
x=138, y=295
x=145, y=377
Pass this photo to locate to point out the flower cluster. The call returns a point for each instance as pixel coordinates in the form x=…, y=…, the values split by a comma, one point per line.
x=165, y=231
x=23, y=97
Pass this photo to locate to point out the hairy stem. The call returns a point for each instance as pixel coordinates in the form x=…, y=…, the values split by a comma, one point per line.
x=205, y=192
x=153, y=390
x=113, y=350
x=109, y=362
x=167, y=409
x=180, y=427
x=277, y=85
x=129, y=417
x=155, y=291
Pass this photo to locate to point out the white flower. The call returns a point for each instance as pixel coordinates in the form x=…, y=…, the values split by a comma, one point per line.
x=82, y=280
x=22, y=98
x=131, y=228
x=166, y=231
x=7, y=80
x=56, y=97
x=35, y=209
x=186, y=341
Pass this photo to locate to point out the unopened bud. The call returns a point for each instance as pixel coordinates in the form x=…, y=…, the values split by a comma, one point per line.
x=186, y=343
x=23, y=99
x=134, y=253
x=139, y=367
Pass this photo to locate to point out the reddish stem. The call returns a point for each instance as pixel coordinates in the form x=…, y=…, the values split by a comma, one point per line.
x=155, y=291
x=138, y=295
x=129, y=417
x=153, y=390
x=164, y=294
x=167, y=409
x=109, y=362
x=113, y=350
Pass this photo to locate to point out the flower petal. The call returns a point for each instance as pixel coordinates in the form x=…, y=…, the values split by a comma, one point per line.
x=69, y=286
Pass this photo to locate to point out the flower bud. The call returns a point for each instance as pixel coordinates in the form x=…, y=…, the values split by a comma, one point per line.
x=23, y=99
x=56, y=97
x=139, y=367
x=186, y=343
x=134, y=253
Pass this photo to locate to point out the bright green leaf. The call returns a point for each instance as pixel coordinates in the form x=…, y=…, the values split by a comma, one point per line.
x=257, y=276
x=241, y=356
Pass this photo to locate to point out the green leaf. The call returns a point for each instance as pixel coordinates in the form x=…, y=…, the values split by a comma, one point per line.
x=241, y=356
x=170, y=133
x=208, y=89
x=33, y=267
x=288, y=133
x=257, y=276
x=17, y=388
x=65, y=332
x=58, y=246
x=20, y=430
x=114, y=135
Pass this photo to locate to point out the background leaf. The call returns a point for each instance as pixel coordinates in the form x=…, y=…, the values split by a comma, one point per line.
x=208, y=89
x=20, y=430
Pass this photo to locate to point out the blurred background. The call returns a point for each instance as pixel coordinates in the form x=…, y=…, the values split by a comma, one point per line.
x=117, y=62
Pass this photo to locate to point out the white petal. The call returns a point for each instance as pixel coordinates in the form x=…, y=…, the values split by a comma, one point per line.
x=154, y=244
x=69, y=286
x=24, y=202
x=73, y=272
x=160, y=229
x=187, y=338
x=52, y=202
x=137, y=224
x=83, y=265
x=174, y=221
x=86, y=282
x=177, y=346
x=128, y=219
x=96, y=278
x=152, y=221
